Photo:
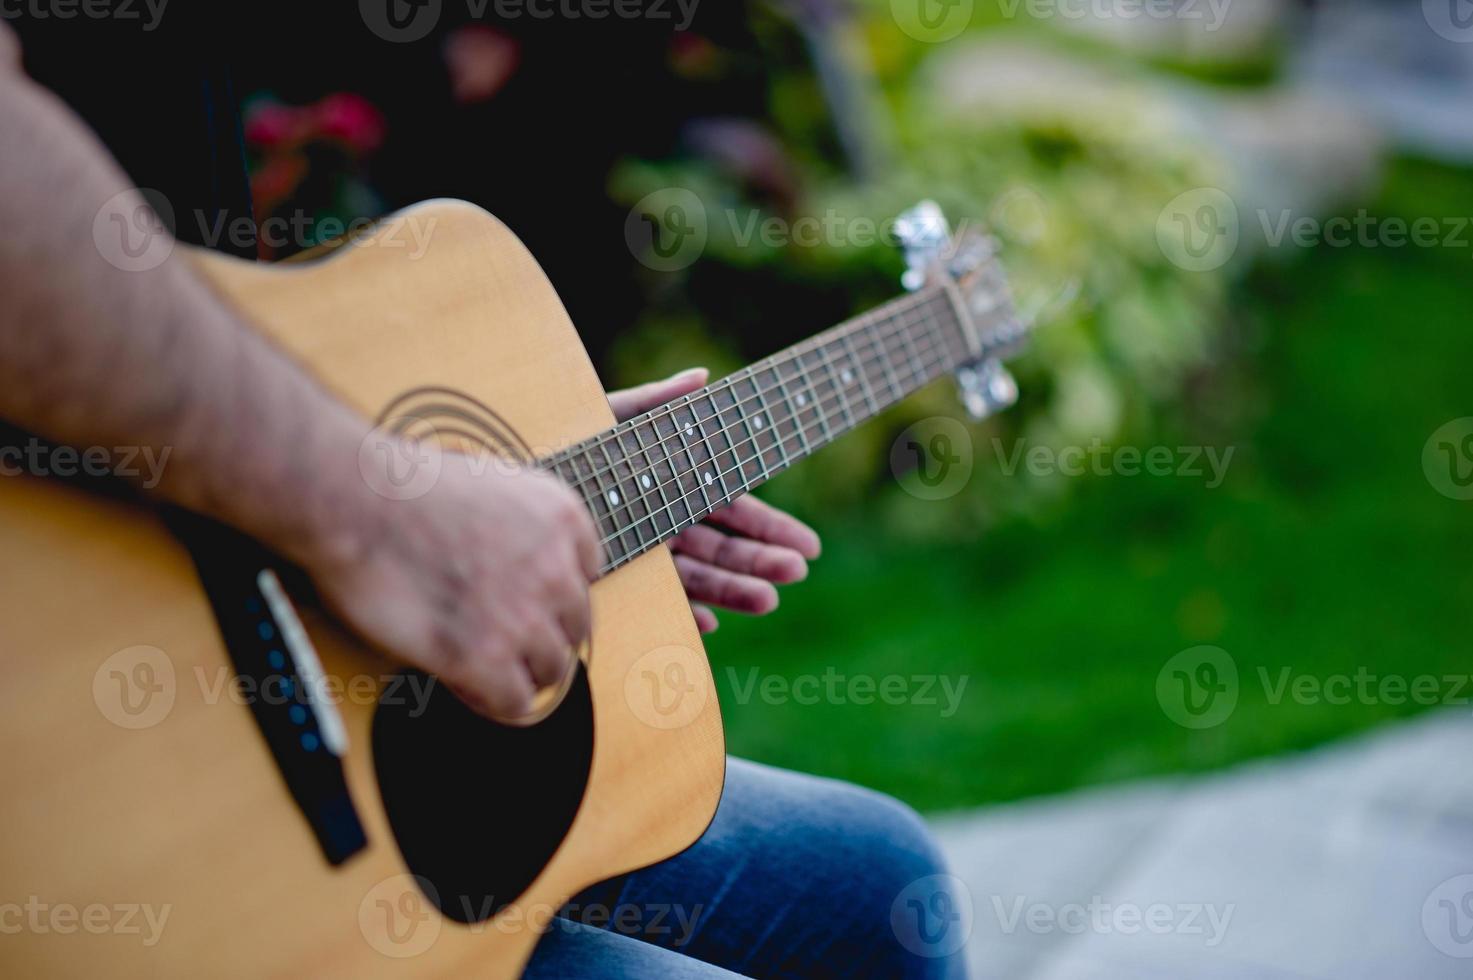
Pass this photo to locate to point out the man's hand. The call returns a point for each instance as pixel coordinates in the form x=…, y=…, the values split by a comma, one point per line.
x=757, y=547
x=482, y=580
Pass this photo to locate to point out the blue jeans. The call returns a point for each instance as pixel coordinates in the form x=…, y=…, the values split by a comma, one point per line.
x=796, y=877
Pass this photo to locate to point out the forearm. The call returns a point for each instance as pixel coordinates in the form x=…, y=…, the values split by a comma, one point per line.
x=95, y=354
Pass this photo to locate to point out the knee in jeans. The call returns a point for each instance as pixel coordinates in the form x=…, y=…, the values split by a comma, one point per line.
x=907, y=897
x=899, y=842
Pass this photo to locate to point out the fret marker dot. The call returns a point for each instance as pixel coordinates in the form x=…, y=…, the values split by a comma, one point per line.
x=613, y=496
x=802, y=399
x=847, y=375
x=757, y=422
x=644, y=481
x=688, y=430
x=708, y=479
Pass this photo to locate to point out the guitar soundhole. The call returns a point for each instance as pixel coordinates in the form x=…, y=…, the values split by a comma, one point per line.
x=478, y=808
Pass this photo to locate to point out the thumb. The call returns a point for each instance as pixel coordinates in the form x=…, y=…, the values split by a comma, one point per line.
x=629, y=402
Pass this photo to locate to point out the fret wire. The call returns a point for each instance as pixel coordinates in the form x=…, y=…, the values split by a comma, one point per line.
x=875, y=342
x=869, y=394
x=631, y=500
x=729, y=389
x=675, y=476
x=658, y=486
x=784, y=462
x=890, y=377
x=793, y=417
x=601, y=501
x=752, y=435
x=634, y=499
x=828, y=363
x=813, y=387
x=614, y=501
x=710, y=450
x=937, y=362
x=909, y=344
x=695, y=470
x=615, y=496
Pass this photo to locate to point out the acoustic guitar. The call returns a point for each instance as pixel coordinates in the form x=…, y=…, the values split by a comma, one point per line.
x=201, y=780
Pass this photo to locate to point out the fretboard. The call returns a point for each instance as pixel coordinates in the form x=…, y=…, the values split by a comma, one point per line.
x=658, y=473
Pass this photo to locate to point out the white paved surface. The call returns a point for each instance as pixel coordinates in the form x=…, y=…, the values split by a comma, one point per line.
x=1340, y=863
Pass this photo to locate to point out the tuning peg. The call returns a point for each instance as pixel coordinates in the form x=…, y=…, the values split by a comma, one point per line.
x=923, y=236
x=986, y=388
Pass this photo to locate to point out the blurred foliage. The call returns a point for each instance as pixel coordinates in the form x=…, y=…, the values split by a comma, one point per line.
x=1073, y=188
x=1325, y=553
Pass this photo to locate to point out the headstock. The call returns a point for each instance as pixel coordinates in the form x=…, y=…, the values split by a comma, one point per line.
x=968, y=264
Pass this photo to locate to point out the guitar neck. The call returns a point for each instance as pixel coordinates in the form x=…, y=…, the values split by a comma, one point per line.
x=656, y=474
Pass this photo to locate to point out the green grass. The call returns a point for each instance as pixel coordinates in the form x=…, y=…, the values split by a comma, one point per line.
x=1325, y=551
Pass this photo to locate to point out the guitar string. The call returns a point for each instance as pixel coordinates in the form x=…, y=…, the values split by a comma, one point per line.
x=822, y=414
x=886, y=315
x=895, y=327
x=702, y=506
x=926, y=358
x=893, y=313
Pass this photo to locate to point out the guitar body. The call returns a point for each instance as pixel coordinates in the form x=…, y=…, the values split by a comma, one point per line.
x=116, y=799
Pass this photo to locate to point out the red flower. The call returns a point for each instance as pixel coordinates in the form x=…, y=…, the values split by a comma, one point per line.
x=352, y=119
x=270, y=124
